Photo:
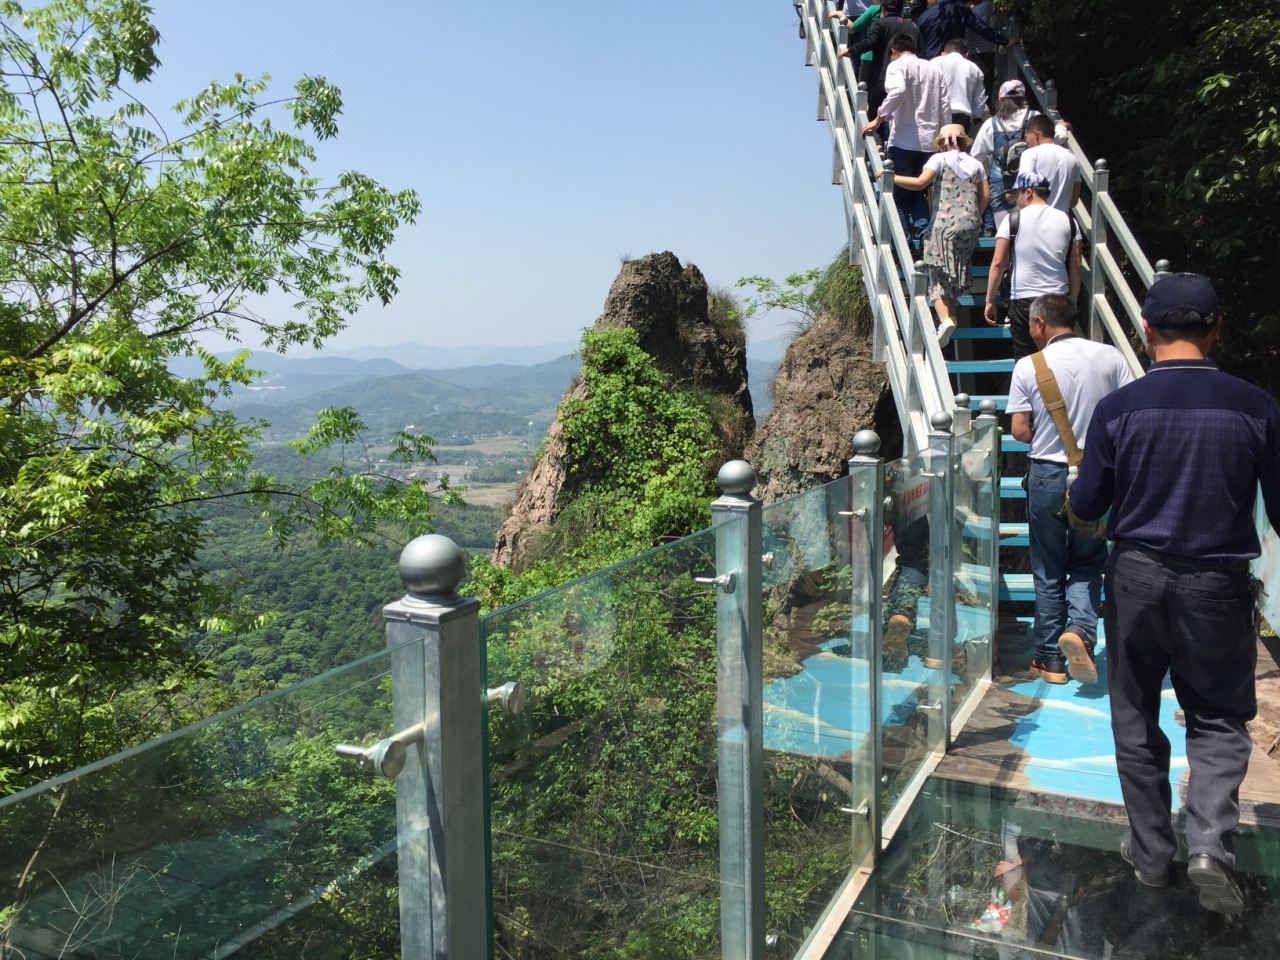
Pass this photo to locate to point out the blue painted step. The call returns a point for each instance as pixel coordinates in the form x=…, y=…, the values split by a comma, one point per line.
x=1010, y=445
x=1013, y=586
x=1017, y=586
x=980, y=366
x=1010, y=488
x=1001, y=399
x=982, y=333
x=1014, y=535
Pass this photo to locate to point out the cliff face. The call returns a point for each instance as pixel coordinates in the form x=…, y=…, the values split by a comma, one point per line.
x=668, y=305
x=826, y=390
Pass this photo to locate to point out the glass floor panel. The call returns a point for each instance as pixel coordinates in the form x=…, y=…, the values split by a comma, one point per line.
x=979, y=871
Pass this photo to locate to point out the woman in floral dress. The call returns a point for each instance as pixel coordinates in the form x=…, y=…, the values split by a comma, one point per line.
x=953, y=233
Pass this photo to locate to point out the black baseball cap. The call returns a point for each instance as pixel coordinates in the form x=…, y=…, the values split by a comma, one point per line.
x=1181, y=291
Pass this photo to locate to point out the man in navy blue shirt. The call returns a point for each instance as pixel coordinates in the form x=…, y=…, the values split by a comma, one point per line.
x=947, y=20
x=1177, y=457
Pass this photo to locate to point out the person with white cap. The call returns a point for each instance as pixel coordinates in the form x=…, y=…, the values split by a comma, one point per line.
x=1177, y=457
x=1040, y=247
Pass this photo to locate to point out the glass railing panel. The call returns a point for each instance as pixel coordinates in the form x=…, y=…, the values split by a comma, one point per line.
x=979, y=870
x=242, y=834
x=975, y=541
x=605, y=830
x=818, y=726
x=912, y=676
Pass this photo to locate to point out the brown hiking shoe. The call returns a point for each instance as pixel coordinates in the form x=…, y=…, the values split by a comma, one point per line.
x=896, y=632
x=1079, y=657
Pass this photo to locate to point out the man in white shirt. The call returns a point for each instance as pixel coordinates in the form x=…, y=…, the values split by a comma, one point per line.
x=965, y=85
x=1040, y=247
x=917, y=105
x=1056, y=164
x=1066, y=566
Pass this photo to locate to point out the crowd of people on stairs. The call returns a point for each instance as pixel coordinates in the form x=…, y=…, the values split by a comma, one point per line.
x=1173, y=461
x=922, y=82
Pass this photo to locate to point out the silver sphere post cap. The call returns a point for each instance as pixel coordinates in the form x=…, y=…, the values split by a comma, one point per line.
x=940, y=421
x=963, y=401
x=1100, y=164
x=1163, y=267
x=736, y=478
x=988, y=407
x=432, y=565
x=866, y=443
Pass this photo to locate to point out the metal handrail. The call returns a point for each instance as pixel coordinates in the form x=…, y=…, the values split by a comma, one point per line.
x=1116, y=272
x=902, y=318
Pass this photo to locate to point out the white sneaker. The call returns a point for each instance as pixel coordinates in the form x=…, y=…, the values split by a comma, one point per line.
x=945, y=330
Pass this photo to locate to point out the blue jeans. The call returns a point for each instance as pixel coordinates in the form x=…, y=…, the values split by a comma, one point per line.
x=913, y=205
x=1066, y=566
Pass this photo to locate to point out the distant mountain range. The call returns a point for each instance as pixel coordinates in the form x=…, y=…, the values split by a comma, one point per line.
x=450, y=403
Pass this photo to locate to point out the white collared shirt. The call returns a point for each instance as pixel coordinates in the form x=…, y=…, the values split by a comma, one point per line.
x=915, y=102
x=965, y=84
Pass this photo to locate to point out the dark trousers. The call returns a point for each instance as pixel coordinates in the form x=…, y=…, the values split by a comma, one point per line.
x=964, y=119
x=1195, y=623
x=987, y=64
x=913, y=205
x=1019, y=318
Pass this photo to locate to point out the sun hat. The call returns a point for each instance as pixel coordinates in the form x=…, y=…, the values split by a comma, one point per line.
x=1013, y=88
x=1181, y=291
x=952, y=133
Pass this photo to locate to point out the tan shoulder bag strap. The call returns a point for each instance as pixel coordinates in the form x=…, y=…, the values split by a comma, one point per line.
x=1057, y=408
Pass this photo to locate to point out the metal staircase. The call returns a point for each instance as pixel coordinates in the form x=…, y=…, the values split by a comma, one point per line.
x=925, y=382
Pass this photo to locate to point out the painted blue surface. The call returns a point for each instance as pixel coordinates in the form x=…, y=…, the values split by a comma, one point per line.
x=1068, y=740
x=823, y=711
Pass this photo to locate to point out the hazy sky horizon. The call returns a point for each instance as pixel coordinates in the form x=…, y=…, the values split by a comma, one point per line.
x=545, y=143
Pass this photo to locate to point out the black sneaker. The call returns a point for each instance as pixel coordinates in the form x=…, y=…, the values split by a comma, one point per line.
x=1079, y=656
x=1146, y=879
x=1052, y=669
x=1219, y=891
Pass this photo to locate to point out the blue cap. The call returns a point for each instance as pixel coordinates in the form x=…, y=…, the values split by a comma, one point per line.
x=1031, y=181
x=1181, y=291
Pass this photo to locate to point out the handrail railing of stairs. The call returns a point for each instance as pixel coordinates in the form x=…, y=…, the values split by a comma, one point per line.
x=1116, y=270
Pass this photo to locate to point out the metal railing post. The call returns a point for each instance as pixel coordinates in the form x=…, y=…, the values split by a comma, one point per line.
x=989, y=425
x=961, y=416
x=438, y=687
x=941, y=568
x=866, y=485
x=1097, y=244
x=740, y=707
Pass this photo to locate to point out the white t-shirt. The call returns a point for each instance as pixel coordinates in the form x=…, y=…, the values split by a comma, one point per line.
x=1038, y=261
x=1056, y=164
x=1086, y=372
x=961, y=164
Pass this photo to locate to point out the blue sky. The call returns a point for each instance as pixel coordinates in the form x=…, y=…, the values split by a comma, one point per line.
x=545, y=141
